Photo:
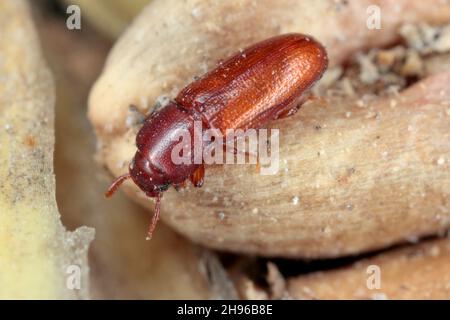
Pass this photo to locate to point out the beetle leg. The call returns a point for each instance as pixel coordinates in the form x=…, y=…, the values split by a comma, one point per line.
x=318, y=99
x=258, y=165
x=293, y=110
x=180, y=185
x=287, y=113
x=197, y=177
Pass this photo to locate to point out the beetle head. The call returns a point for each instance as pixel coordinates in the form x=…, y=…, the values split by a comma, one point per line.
x=148, y=178
x=144, y=175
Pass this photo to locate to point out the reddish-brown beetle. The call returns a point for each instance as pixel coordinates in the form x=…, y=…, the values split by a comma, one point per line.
x=266, y=81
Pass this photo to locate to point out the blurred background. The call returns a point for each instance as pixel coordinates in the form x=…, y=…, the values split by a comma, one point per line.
x=122, y=265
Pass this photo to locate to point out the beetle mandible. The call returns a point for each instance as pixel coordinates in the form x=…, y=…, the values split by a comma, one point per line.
x=266, y=81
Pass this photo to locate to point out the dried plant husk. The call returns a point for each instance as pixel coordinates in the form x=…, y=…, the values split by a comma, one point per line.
x=353, y=176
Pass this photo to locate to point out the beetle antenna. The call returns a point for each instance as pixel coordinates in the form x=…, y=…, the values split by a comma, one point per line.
x=155, y=218
x=116, y=184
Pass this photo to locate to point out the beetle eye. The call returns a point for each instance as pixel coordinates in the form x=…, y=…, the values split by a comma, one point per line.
x=162, y=188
